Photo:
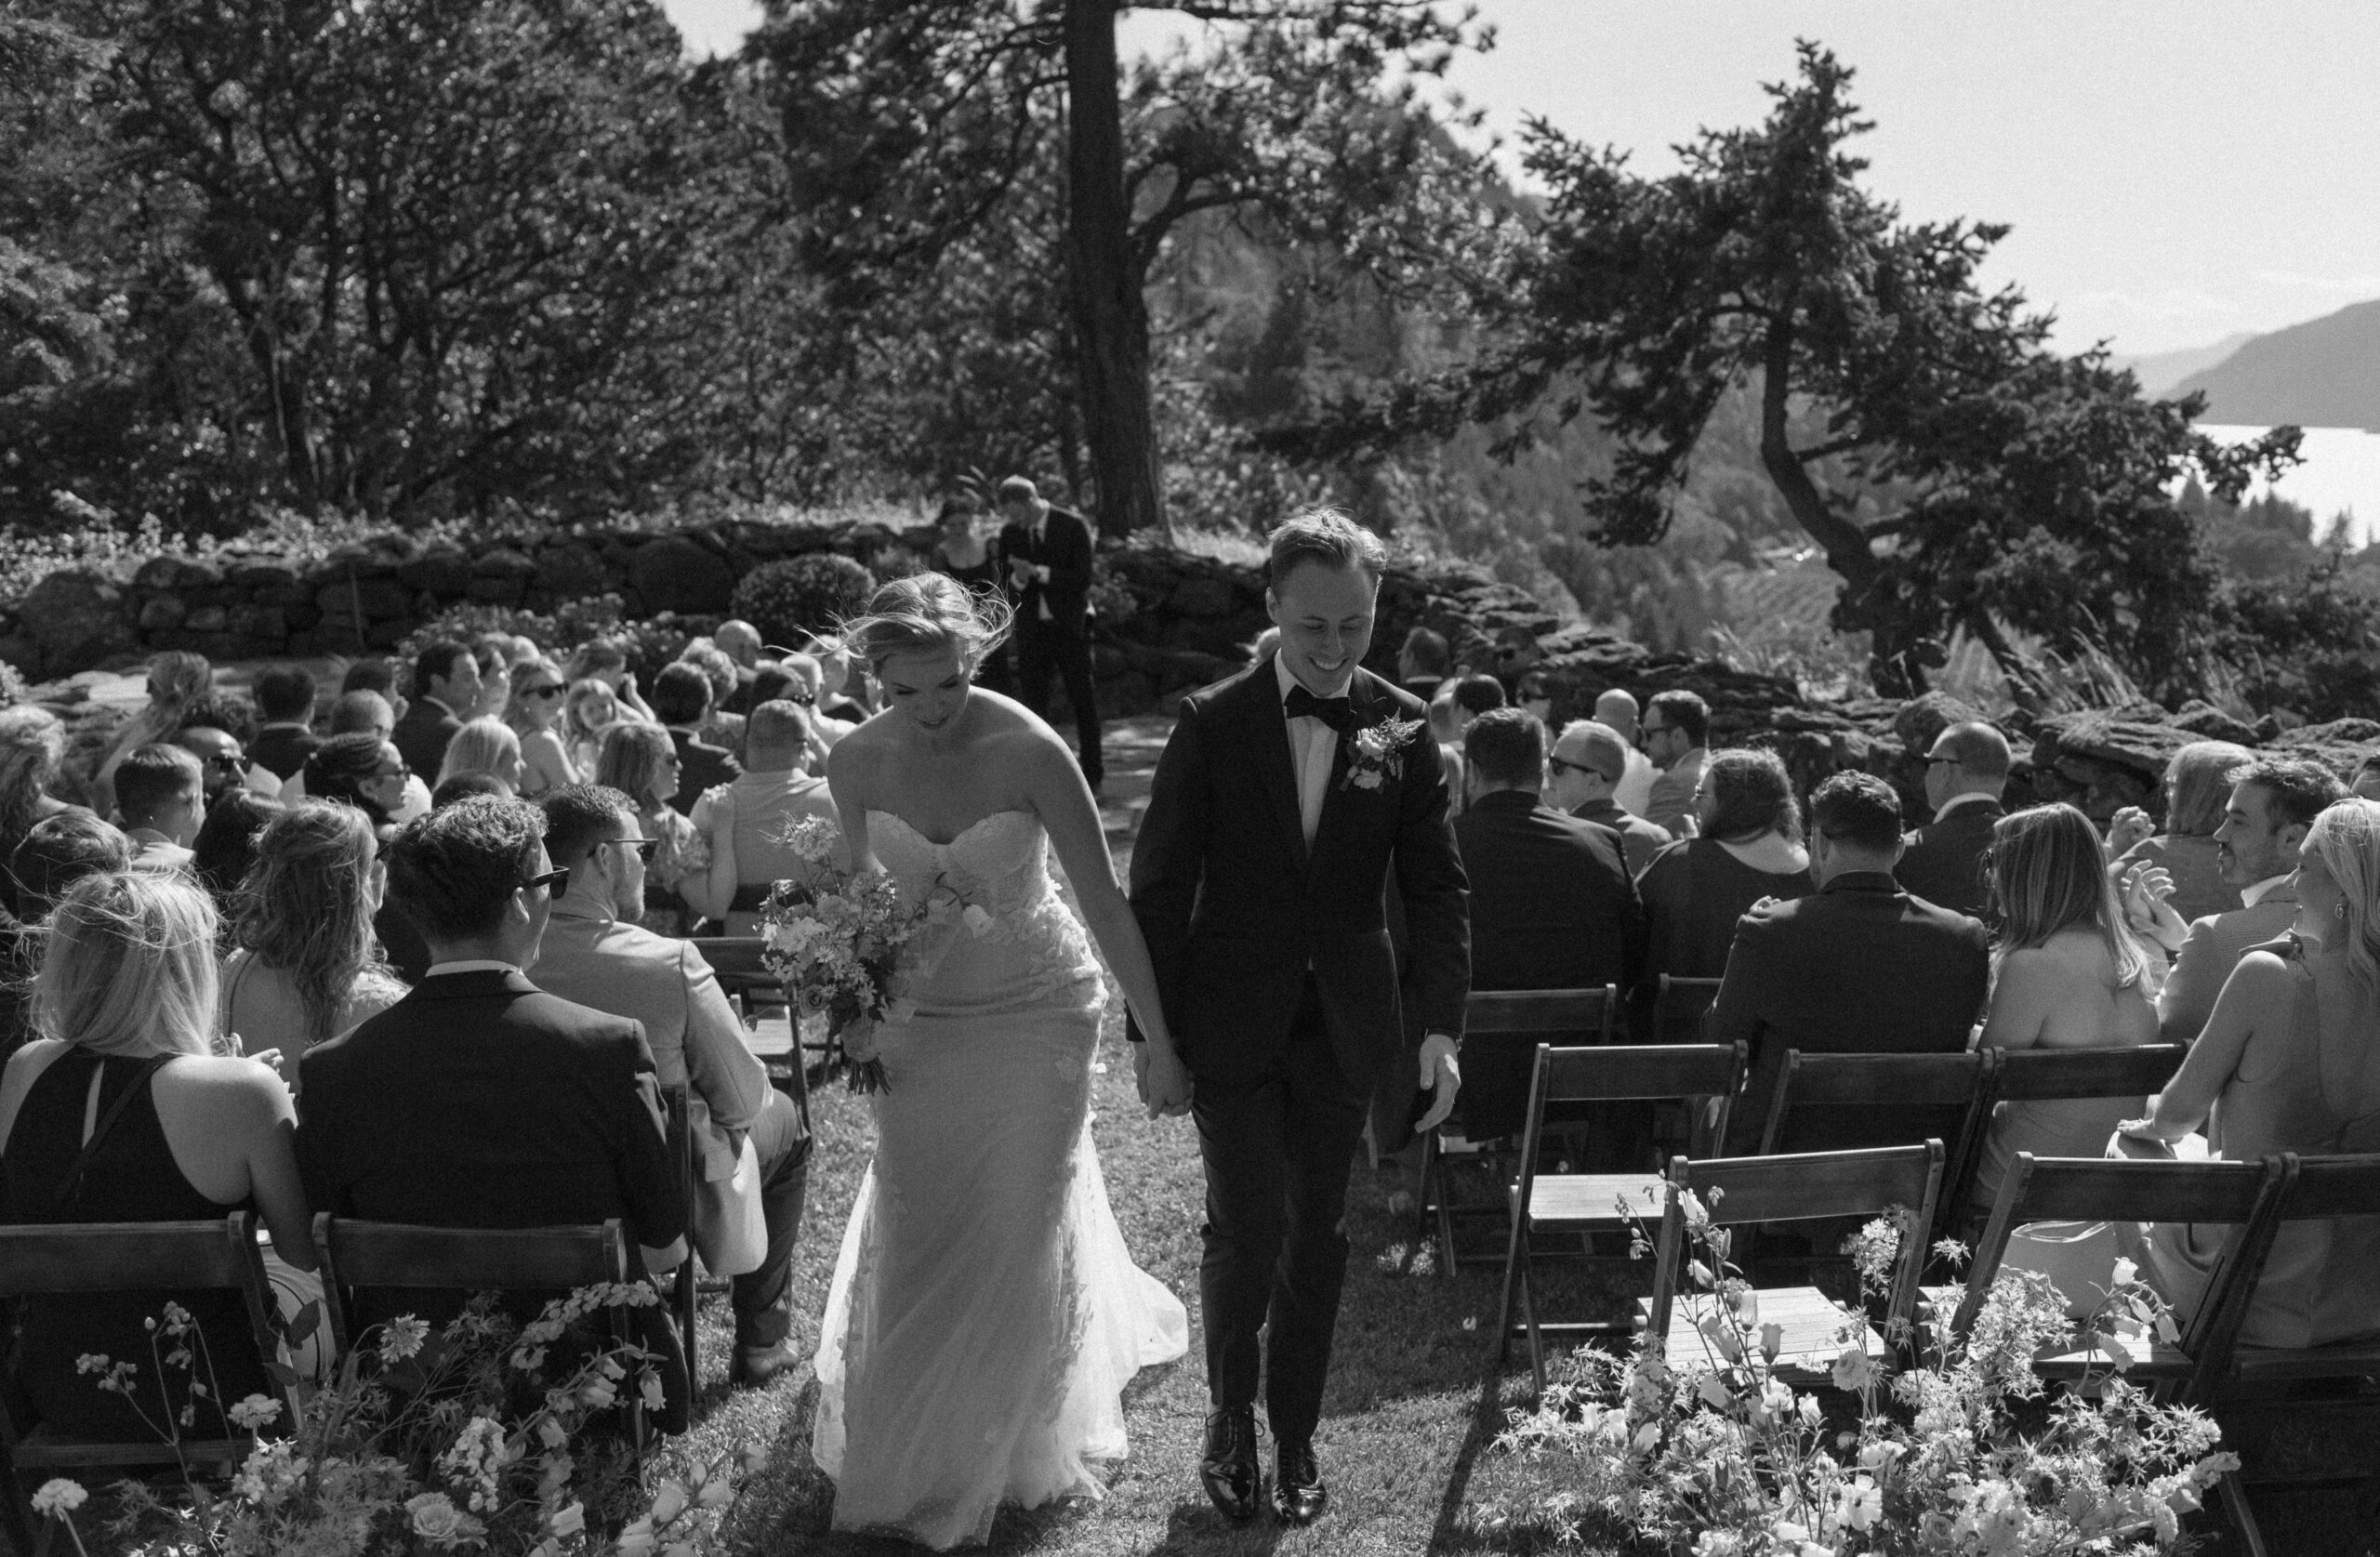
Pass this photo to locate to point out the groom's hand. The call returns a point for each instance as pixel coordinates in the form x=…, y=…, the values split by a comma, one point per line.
x=1439, y=1072
x=1162, y=1080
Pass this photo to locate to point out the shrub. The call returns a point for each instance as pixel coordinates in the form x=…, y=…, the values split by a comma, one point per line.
x=798, y=595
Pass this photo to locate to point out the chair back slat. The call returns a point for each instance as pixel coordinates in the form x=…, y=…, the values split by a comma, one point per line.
x=1809, y=1185
x=125, y=1256
x=2034, y=1075
x=1583, y=1014
x=1638, y=1070
x=469, y=1258
x=2325, y=1187
x=1679, y=1006
x=1881, y=1080
x=735, y=959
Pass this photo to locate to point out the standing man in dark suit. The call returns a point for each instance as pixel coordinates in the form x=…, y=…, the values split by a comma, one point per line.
x=445, y=689
x=478, y=1100
x=1047, y=554
x=681, y=698
x=1859, y=968
x=1942, y=862
x=1283, y=801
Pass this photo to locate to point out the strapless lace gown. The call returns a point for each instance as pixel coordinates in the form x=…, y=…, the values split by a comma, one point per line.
x=986, y=1314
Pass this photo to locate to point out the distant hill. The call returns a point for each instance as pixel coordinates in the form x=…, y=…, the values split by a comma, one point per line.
x=2159, y=371
x=2323, y=373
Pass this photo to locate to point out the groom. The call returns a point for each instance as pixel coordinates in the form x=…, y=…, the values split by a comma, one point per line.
x=1284, y=800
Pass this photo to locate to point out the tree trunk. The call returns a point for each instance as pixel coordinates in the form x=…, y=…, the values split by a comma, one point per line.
x=1111, y=322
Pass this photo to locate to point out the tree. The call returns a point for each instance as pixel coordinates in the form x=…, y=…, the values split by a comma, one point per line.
x=916, y=123
x=2027, y=490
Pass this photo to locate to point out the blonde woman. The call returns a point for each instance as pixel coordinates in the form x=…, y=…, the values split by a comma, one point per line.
x=533, y=710
x=31, y=744
x=119, y=1111
x=484, y=746
x=640, y=761
x=2068, y=972
x=308, y=966
x=177, y=682
x=588, y=709
x=2287, y=1064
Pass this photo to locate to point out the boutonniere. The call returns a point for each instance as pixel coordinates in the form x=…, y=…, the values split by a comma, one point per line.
x=1376, y=753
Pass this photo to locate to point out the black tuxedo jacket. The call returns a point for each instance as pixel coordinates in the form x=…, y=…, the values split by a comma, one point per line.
x=422, y=734
x=1064, y=548
x=701, y=766
x=1552, y=905
x=1858, y=967
x=1943, y=861
x=1236, y=908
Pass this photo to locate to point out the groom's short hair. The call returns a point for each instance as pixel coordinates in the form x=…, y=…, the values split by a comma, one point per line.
x=1326, y=536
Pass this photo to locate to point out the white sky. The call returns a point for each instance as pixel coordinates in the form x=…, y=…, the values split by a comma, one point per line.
x=2173, y=172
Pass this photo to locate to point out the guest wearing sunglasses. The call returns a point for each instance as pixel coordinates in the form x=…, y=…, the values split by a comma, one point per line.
x=534, y=710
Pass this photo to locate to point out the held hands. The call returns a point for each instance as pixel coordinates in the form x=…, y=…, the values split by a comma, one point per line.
x=2148, y=892
x=1162, y=1080
x=2128, y=827
x=1439, y=1072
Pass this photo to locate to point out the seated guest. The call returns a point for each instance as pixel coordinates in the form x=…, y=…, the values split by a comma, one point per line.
x=216, y=732
x=1965, y=770
x=594, y=953
x=374, y=675
x=1675, y=725
x=740, y=641
x=366, y=713
x=161, y=799
x=744, y=822
x=478, y=1100
x=533, y=709
x=1466, y=697
x=589, y=711
x=1696, y=889
x=2286, y=1063
x=1424, y=661
x=640, y=761
x=445, y=691
x=2070, y=974
x=484, y=746
x=361, y=770
x=1615, y=711
x=308, y=966
x=462, y=786
x=2197, y=784
x=2272, y=804
x=118, y=1113
x=718, y=727
x=226, y=845
x=57, y=853
x=681, y=697
x=1588, y=763
x=177, y=679
x=2365, y=785
x=1859, y=968
x=31, y=744
x=1535, y=694
x=492, y=651
x=603, y=660
x=285, y=696
x=842, y=685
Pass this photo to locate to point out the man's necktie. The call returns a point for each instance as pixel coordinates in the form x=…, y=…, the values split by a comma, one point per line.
x=1336, y=712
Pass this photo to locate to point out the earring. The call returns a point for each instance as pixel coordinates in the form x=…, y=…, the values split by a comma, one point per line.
x=2338, y=912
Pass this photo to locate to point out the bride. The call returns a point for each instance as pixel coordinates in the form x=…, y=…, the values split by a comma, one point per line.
x=985, y=1316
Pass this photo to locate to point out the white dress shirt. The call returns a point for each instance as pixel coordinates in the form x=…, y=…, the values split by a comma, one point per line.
x=471, y=965
x=1959, y=802
x=1312, y=750
x=2252, y=895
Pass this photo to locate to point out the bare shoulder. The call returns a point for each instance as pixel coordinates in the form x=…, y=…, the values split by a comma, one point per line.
x=240, y=1088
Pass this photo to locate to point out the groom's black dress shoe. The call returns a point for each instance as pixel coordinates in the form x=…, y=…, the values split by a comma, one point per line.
x=1299, y=1496
x=1228, y=1468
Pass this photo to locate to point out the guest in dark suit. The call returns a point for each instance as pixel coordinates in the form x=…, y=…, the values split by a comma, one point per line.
x=1861, y=968
x=681, y=698
x=1424, y=661
x=1942, y=862
x=445, y=690
x=1588, y=764
x=1046, y=552
x=1552, y=905
x=478, y=1100
x=285, y=696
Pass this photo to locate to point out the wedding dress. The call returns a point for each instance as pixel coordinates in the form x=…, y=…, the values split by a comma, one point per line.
x=985, y=1315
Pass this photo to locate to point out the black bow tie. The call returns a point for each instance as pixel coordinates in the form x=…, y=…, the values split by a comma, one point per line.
x=1336, y=712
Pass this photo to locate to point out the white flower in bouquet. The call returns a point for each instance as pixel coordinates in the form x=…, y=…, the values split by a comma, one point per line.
x=59, y=1497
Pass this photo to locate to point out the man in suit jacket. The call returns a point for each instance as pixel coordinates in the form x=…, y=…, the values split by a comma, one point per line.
x=1046, y=552
x=1859, y=968
x=596, y=954
x=681, y=698
x=1615, y=711
x=1283, y=801
x=2273, y=803
x=1675, y=726
x=1942, y=862
x=445, y=689
x=1552, y=902
x=285, y=696
x=1588, y=764
x=479, y=1100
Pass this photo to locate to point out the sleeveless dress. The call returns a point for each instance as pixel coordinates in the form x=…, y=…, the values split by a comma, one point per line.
x=986, y=1314
x=132, y=1178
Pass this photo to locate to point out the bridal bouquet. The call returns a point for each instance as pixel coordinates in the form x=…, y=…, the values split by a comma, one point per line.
x=837, y=941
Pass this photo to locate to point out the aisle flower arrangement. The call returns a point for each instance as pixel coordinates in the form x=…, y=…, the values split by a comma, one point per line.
x=1701, y=1447
x=425, y=1442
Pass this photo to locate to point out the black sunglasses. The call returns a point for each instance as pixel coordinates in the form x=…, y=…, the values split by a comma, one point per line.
x=644, y=846
x=555, y=881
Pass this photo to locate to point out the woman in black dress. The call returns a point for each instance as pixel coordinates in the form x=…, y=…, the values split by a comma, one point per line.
x=1749, y=847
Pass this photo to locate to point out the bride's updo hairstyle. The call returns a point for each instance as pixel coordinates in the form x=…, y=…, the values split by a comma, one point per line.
x=926, y=611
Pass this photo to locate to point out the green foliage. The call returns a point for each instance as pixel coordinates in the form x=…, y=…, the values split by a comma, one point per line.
x=795, y=596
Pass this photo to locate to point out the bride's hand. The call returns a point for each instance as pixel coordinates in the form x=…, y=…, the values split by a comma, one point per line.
x=1163, y=1081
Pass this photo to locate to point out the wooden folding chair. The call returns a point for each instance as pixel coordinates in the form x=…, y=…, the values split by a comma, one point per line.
x=1808, y=1186
x=1547, y=1204
x=1503, y=1030
x=760, y=1000
x=60, y=1259
x=381, y=1254
x=1877, y=1086
x=679, y=1137
x=1679, y=1006
x=2232, y=1380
